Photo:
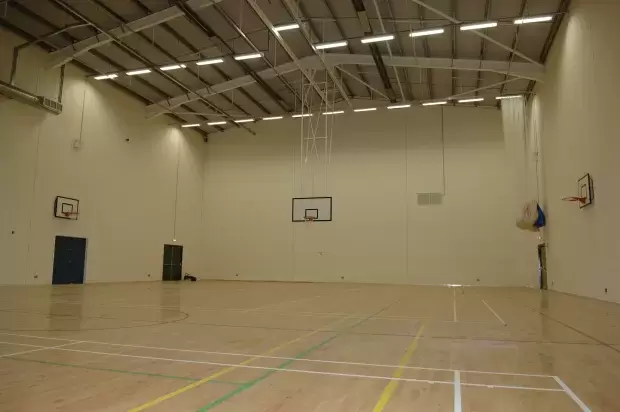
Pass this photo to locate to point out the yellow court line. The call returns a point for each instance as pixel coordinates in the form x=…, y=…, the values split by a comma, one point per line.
x=390, y=388
x=216, y=375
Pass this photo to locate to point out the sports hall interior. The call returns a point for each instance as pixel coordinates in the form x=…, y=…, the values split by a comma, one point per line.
x=309, y=205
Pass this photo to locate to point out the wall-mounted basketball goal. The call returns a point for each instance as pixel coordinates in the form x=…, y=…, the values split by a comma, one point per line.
x=312, y=209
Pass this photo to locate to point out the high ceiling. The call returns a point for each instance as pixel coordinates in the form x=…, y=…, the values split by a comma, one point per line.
x=114, y=36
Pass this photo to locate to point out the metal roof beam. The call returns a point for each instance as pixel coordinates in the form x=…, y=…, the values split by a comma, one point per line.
x=296, y=11
x=523, y=70
x=242, y=81
x=519, y=70
x=362, y=15
x=477, y=32
x=289, y=51
x=132, y=52
x=68, y=53
x=201, y=24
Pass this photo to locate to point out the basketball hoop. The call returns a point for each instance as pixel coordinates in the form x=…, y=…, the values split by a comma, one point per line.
x=70, y=215
x=581, y=200
x=309, y=219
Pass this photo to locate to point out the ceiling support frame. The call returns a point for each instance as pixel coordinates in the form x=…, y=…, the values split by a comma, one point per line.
x=68, y=9
x=477, y=32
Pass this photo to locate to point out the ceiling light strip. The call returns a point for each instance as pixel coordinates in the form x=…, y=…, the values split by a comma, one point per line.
x=537, y=19
x=421, y=33
x=191, y=125
x=374, y=39
x=216, y=123
x=106, y=76
x=434, y=103
x=367, y=109
x=476, y=26
x=330, y=45
x=399, y=106
x=284, y=27
x=511, y=96
x=137, y=72
x=273, y=118
x=244, y=121
x=302, y=115
x=477, y=99
x=172, y=67
x=248, y=56
x=210, y=61
x=336, y=112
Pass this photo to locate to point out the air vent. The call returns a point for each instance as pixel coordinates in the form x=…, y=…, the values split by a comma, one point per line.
x=51, y=105
x=430, y=199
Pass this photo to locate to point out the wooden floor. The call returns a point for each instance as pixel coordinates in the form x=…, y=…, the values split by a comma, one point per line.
x=241, y=346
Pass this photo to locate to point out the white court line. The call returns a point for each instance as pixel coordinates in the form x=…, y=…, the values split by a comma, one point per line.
x=570, y=393
x=454, y=305
x=492, y=311
x=40, y=348
x=299, y=300
x=379, y=365
x=457, y=392
x=347, y=375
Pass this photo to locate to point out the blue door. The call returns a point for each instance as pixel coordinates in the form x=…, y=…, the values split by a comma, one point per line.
x=69, y=259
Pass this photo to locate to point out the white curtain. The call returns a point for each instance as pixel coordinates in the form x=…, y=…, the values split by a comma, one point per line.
x=513, y=116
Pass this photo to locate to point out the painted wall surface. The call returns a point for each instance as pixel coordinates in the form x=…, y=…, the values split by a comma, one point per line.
x=577, y=111
x=128, y=191
x=379, y=162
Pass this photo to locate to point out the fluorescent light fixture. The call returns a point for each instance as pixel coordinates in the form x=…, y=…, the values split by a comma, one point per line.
x=244, y=121
x=248, y=56
x=538, y=19
x=172, y=67
x=368, y=109
x=284, y=27
x=136, y=72
x=336, y=112
x=216, y=123
x=210, y=61
x=477, y=99
x=273, y=118
x=330, y=45
x=434, y=103
x=512, y=96
x=191, y=125
x=106, y=76
x=374, y=39
x=302, y=115
x=421, y=33
x=476, y=26
x=399, y=106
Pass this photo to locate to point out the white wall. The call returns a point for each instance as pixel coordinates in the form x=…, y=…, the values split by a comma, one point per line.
x=577, y=108
x=380, y=161
x=127, y=190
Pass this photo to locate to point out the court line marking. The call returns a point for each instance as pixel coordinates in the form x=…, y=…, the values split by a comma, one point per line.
x=455, y=318
x=380, y=365
x=457, y=392
x=288, y=362
x=572, y=395
x=299, y=300
x=310, y=372
x=201, y=308
x=229, y=368
x=40, y=348
x=491, y=309
x=390, y=388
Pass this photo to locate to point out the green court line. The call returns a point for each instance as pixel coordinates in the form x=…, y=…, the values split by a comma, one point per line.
x=155, y=375
x=282, y=366
x=264, y=376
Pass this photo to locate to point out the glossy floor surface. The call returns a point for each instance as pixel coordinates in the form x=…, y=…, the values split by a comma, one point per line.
x=241, y=346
